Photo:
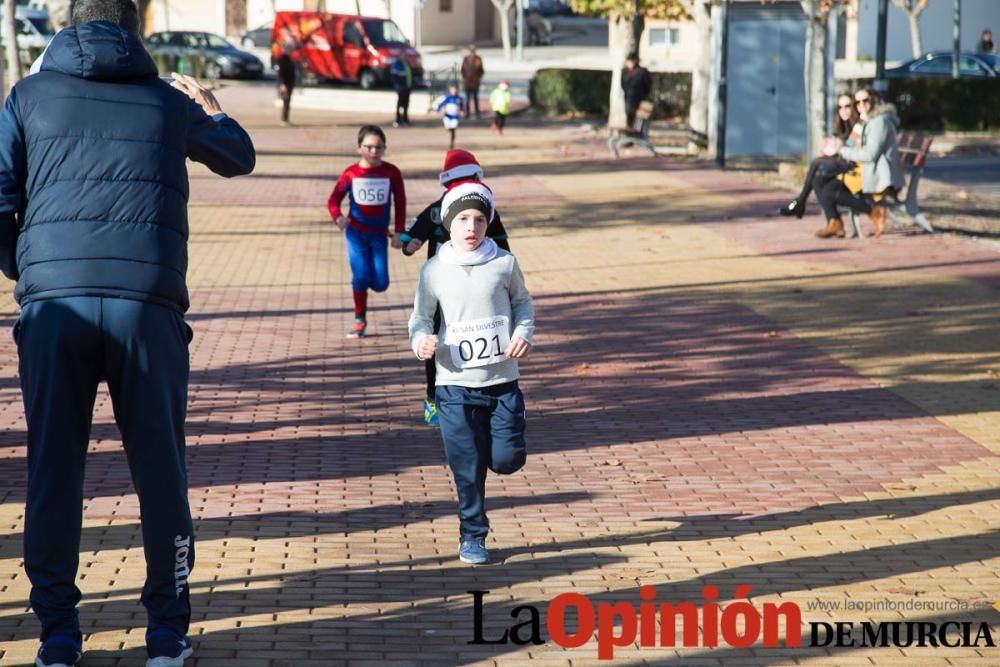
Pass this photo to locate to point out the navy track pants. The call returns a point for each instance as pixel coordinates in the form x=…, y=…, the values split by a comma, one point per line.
x=66, y=346
x=483, y=429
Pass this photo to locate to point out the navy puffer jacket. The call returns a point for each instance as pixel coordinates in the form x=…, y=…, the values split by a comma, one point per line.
x=93, y=178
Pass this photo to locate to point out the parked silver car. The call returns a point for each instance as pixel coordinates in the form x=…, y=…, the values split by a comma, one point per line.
x=222, y=58
x=259, y=37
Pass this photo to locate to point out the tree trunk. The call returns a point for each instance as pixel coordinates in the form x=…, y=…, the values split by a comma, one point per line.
x=700, y=75
x=503, y=8
x=815, y=73
x=621, y=28
x=505, y=34
x=915, y=39
x=638, y=25
x=142, y=6
x=10, y=42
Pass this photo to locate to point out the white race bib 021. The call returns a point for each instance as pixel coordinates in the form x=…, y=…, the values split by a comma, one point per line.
x=474, y=343
x=370, y=191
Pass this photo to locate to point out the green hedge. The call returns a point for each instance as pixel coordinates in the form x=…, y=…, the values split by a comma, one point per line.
x=586, y=92
x=926, y=103
x=193, y=65
x=576, y=91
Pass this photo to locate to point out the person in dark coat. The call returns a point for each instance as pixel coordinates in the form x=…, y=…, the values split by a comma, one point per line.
x=986, y=44
x=286, y=81
x=94, y=228
x=472, y=76
x=402, y=82
x=636, y=85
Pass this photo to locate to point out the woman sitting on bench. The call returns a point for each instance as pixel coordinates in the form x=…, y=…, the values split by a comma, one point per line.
x=835, y=180
x=878, y=155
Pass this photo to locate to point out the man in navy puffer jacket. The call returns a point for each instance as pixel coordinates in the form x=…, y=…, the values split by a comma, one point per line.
x=93, y=226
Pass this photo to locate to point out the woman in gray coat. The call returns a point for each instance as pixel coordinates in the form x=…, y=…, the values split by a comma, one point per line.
x=878, y=153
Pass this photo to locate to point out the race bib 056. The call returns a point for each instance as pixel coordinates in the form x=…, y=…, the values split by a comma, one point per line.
x=475, y=343
x=370, y=191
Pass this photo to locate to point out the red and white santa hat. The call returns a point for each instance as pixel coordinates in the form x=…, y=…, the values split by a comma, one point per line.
x=463, y=196
x=460, y=165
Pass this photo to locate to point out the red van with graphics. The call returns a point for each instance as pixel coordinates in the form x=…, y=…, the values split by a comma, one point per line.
x=343, y=46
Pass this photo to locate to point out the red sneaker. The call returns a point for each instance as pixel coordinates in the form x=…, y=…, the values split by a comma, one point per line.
x=358, y=328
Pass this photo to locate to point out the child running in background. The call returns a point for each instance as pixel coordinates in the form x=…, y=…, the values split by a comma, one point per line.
x=487, y=323
x=452, y=106
x=372, y=186
x=459, y=166
x=500, y=103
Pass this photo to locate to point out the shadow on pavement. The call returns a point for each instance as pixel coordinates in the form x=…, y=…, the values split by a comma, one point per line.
x=401, y=606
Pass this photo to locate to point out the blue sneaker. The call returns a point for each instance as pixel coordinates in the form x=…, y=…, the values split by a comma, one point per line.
x=430, y=413
x=167, y=648
x=59, y=651
x=473, y=551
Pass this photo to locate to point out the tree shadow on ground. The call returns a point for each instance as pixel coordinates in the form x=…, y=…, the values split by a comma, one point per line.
x=701, y=369
x=284, y=526
x=400, y=606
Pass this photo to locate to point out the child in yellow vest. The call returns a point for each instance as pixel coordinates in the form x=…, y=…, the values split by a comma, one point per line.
x=500, y=103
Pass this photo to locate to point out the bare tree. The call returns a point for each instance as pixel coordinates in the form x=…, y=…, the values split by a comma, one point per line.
x=621, y=35
x=503, y=8
x=626, y=20
x=10, y=42
x=913, y=10
x=700, y=13
x=817, y=35
x=143, y=7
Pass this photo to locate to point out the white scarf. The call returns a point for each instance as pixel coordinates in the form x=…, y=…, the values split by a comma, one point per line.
x=483, y=253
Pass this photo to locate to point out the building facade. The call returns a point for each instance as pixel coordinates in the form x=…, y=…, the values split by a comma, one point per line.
x=936, y=27
x=445, y=22
x=671, y=45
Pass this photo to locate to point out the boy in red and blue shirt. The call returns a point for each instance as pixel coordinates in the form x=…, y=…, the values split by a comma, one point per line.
x=372, y=186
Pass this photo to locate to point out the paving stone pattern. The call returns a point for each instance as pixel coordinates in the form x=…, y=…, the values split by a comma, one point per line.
x=716, y=397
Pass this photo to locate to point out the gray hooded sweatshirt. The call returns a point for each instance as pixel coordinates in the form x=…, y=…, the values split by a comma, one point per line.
x=483, y=306
x=878, y=153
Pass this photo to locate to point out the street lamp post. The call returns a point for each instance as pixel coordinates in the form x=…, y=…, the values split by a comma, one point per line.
x=883, y=19
x=720, y=132
x=418, y=7
x=519, y=19
x=956, y=40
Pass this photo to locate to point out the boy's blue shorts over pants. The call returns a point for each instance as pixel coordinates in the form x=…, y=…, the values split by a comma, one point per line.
x=66, y=346
x=368, y=255
x=483, y=429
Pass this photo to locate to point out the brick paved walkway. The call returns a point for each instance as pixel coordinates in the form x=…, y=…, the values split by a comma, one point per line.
x=716, y=397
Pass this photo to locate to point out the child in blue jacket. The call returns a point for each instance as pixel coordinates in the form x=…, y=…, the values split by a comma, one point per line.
x=452, y=106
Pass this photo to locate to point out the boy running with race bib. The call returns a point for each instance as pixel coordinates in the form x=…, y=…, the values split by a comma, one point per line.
x=371, y=186
x=487, y=323
x=459, y=166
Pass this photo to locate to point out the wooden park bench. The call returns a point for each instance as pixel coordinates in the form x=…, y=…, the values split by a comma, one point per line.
x=637, y=135
x=913, y=150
